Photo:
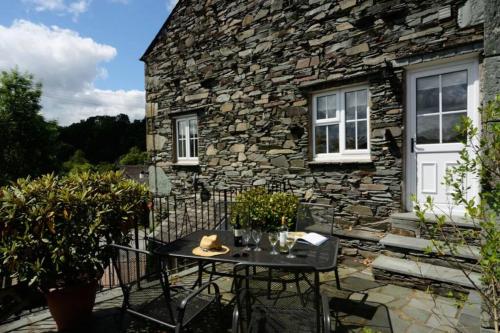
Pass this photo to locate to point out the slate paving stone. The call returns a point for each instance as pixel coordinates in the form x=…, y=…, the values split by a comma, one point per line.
x=417, y=314
x=398, y=324
x=395, y=291
x=379, y=298
x=416, y=328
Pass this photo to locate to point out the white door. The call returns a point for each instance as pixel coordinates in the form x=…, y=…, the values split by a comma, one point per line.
x=438, y=98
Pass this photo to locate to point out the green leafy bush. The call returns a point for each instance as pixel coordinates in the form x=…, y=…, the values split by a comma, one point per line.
x=259, y=208
x=52, y=229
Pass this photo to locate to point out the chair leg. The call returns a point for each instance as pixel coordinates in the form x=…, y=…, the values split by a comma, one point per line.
x=337, y=278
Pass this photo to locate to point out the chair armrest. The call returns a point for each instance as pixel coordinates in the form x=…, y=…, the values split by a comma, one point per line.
x=185, y=301
x=325, y=301
x=195, y=293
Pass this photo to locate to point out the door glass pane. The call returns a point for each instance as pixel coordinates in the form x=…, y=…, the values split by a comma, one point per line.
x=428, y=129
x=350, y=135
x=362, y=135
x=321, y=107
x=320, y=139
x=332, y=106
x=361, y=100
x=454, y=90
x=333, y=138
x=350, y=105
x=450, y=121
x=428, y=95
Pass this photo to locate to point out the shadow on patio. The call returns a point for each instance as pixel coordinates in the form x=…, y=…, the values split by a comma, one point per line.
x=362, y=303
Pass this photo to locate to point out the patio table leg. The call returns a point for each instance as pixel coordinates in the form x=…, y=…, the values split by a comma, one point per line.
x=199, y=279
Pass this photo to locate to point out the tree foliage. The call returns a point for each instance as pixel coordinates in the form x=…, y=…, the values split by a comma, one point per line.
x=103, y=138
x=28, y=143
x=134, y=157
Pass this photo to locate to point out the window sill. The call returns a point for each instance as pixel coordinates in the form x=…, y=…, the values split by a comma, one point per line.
x=366, y=160
x=187, y=163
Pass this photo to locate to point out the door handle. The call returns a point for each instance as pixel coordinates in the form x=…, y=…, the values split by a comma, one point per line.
x=412, y=145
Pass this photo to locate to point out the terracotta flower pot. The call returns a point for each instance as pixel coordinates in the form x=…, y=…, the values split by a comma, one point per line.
x=71, y=306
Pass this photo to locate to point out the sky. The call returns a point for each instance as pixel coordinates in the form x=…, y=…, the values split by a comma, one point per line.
x=84, y=52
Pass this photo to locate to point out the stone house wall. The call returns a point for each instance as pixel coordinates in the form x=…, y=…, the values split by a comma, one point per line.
x=248, y=67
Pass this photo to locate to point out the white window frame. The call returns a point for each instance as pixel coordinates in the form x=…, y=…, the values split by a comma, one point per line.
x=344, y=155
x=187, y=144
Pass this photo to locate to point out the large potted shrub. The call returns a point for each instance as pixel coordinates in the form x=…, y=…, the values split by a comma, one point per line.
x=53, y=232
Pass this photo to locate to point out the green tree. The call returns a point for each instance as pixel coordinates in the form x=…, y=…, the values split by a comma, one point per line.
x=480, y=157
x=77, y=163
x=134, y=157
x=28, y=143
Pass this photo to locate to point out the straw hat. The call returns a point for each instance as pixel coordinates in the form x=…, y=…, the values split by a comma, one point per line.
x=210, y=246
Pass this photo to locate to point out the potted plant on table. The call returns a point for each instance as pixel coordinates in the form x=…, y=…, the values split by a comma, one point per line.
x=53, y=232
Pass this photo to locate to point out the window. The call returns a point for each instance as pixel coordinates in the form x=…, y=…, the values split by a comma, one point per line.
x=340, y=125
x=441, y=102
x=187, y=139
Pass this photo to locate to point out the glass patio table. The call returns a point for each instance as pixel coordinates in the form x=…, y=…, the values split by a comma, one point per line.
x=322, y=258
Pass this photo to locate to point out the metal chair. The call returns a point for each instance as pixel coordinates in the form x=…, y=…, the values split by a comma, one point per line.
x=149, y=295
x=318, y=218
x=264, y=306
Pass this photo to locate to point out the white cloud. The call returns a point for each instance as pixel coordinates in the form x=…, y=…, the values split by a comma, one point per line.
x=67, y=64
x=74, y=8
x=171, y=4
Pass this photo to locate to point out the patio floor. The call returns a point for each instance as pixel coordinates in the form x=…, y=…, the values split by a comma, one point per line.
x=367, y=304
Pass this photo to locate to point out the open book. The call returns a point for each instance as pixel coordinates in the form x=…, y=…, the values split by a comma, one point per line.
x=310, y=237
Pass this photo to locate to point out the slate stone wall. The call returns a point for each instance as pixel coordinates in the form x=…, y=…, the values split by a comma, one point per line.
x=248, y=68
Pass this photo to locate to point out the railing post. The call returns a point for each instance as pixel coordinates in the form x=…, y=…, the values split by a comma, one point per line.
x=225, y=209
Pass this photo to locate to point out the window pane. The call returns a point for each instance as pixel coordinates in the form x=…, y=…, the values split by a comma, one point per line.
x=333, y=138
x=454, y=90
x=361, y=100
x=450, y=121
x=350, y=105
x=428, y=129
x=181, y=138
x=332, y=106
x=321, y=107
x=428, y=95
x=362, y=135
x=350, y=135
x=320, y=140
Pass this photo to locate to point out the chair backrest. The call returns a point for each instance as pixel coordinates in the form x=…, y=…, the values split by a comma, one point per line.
x=321, y=216
x=140, y=274
x=290, y=290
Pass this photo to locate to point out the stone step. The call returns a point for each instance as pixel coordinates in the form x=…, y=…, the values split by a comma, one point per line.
x=407, y=224
x=458, y=221
x=426, y=272
x=404, y=243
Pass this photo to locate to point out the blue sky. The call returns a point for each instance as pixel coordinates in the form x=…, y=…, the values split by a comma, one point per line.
x=85, y=52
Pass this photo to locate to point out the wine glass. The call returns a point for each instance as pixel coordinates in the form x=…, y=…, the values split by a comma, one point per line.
x=290, y=243
x=247, y=234
x=257, y=235
x=273, y=239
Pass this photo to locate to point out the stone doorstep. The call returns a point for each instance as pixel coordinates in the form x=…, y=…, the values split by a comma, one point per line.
x=420, y=244
x=410, y=216
x=425, y=271
x=372, y=236
x=100, y=298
